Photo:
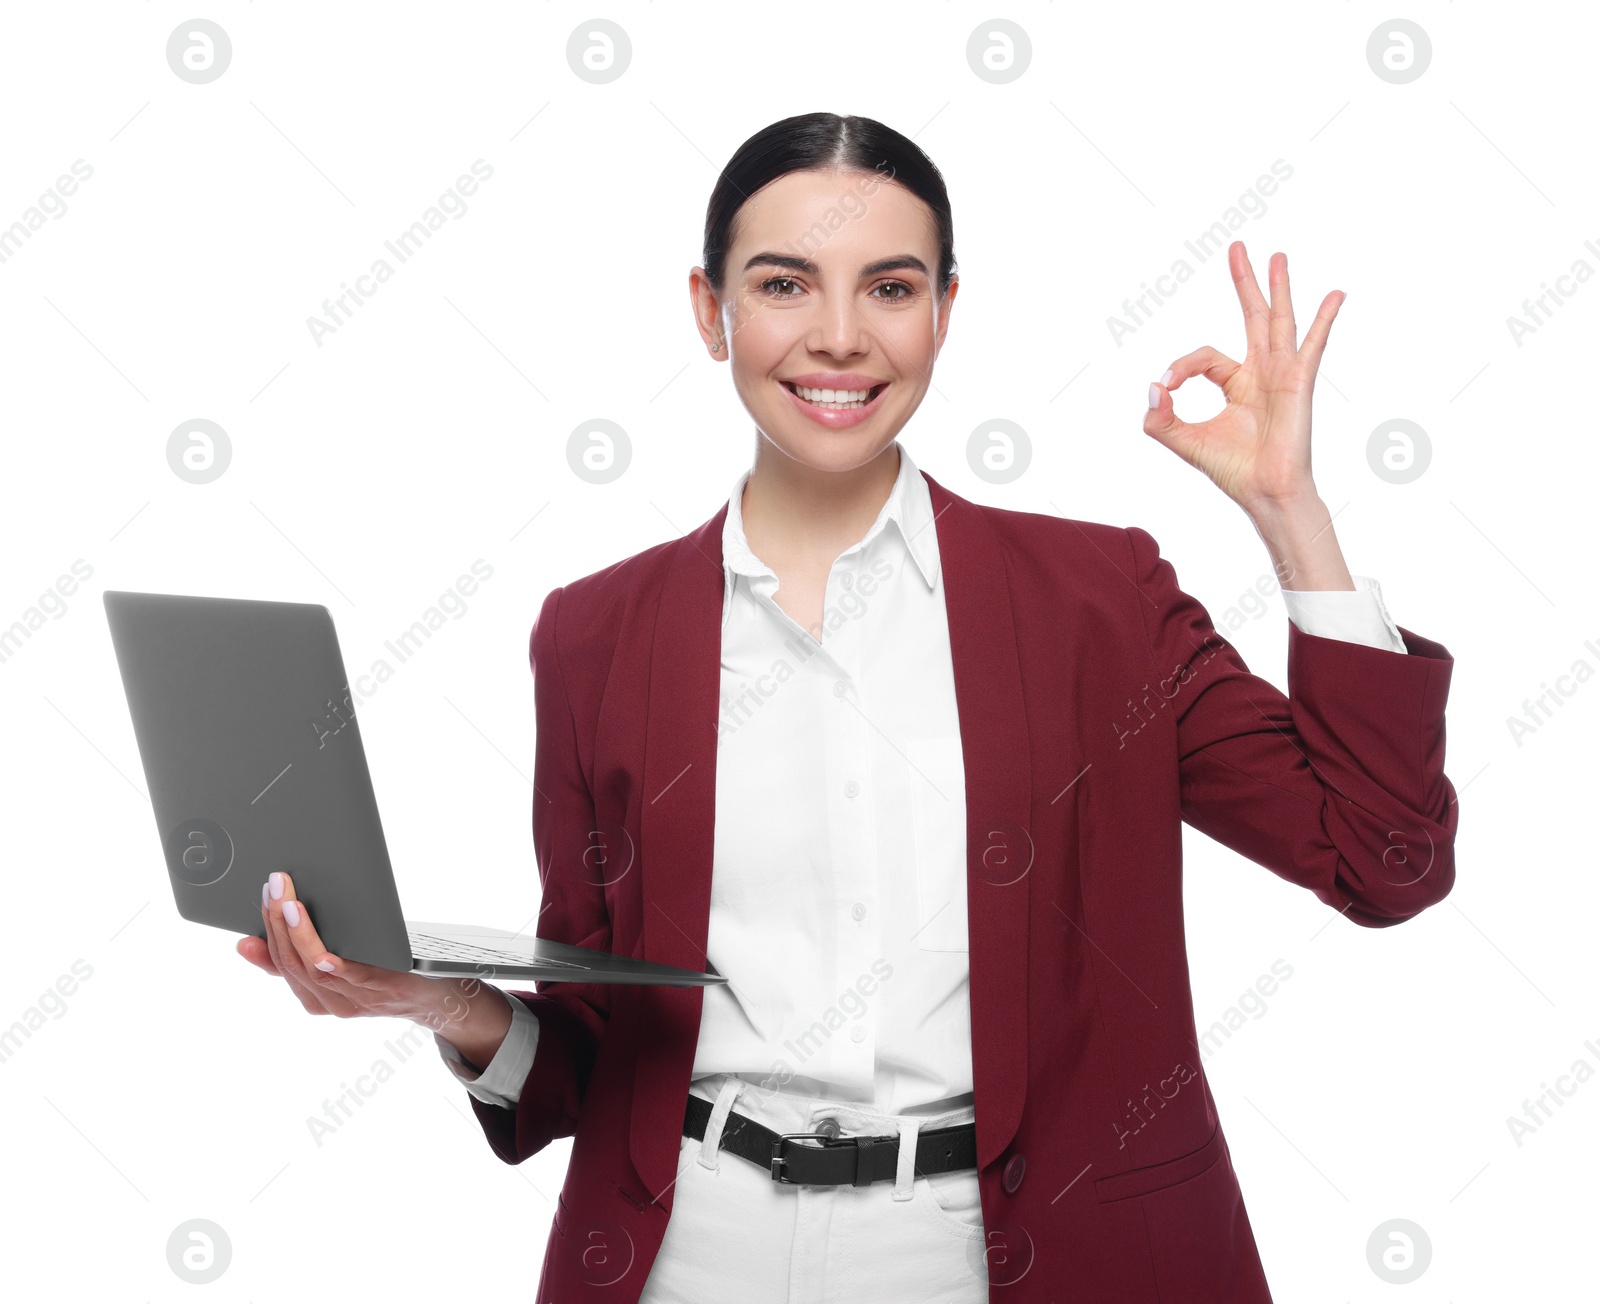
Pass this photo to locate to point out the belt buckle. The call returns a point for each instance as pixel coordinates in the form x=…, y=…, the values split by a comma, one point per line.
x=779, y=1159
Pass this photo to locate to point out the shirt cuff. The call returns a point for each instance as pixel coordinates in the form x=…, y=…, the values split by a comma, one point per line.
x=502, y=1081
x=1352, y=615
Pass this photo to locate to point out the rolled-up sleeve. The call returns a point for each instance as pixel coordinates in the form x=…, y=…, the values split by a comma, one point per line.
x=1338, y=786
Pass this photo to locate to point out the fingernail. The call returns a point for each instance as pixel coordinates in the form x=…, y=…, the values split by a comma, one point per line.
x=291, y=912
x=325, y=965
x=275, y=882
x=1155, y=395
x=1166, y=376
x=263, y=895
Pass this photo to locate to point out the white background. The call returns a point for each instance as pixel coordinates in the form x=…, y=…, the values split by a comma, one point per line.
x=369, y=471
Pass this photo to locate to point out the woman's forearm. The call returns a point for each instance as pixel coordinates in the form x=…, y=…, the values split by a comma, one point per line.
x=472, y=1015
x=1299, y=536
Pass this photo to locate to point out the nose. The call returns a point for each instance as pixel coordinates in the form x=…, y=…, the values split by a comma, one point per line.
x=840, y=330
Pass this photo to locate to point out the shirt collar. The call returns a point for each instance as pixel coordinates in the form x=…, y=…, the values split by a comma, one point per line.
x=909, y=506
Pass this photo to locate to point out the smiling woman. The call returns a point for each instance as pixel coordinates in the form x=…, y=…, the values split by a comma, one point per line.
x=940, y=790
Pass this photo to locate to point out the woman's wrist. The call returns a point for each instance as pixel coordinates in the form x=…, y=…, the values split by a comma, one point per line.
x=1298, y=533
x=470, y=1014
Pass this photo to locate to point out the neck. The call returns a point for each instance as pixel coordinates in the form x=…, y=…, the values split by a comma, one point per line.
x=794, y=513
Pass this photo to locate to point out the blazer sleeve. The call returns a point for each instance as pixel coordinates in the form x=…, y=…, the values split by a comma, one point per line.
x=572, y=1016
x=1340, y=786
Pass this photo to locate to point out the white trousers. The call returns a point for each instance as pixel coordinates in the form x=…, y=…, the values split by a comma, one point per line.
x=736, y=1235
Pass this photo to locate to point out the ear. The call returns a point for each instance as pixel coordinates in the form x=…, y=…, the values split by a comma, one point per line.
x=944, y=312
x=707, y=311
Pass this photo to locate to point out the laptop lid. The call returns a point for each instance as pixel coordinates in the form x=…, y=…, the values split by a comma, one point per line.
x=252, y=753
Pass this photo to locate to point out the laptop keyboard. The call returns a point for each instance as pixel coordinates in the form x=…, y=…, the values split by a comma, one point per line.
x=426, y=946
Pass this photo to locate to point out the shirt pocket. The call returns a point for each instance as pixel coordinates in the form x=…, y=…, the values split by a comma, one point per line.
x=939, y=844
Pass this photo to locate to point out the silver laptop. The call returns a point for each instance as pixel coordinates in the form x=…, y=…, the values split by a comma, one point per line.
x=247, y=731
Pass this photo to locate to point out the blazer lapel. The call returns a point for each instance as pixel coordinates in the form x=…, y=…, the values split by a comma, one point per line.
x=676, y=841
x=679, y=807
x=996, y=762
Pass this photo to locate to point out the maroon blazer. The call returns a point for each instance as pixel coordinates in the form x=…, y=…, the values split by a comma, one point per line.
x=1098, y=707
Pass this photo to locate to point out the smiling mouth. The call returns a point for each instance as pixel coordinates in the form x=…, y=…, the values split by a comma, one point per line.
x=834, y=400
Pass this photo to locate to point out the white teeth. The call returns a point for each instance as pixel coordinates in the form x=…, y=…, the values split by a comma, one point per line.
x=839, y=400
x=832, y=395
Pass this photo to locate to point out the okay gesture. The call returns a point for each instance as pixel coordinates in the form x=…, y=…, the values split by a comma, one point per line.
x=1258, y=448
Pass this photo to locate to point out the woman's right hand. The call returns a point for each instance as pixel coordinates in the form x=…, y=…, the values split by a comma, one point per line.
x=326, y=983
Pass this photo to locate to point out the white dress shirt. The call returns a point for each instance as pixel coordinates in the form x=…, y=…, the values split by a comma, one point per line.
x=838, y=889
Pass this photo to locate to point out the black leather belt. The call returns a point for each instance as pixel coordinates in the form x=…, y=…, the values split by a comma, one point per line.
x=839, y=1160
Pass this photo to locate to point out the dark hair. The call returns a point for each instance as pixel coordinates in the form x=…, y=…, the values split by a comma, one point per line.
x=824, y=140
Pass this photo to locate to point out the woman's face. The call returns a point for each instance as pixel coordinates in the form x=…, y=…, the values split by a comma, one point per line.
x=829, y=286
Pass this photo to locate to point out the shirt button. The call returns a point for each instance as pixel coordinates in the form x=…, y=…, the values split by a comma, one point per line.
x=840, y=688
x=858, y=911
x=857, y=1033
x=1012, y=1177
x=829, y=1127
x=852, y=788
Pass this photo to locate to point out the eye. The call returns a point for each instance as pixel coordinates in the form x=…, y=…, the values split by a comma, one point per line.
x=906, y=291
x=767, y=285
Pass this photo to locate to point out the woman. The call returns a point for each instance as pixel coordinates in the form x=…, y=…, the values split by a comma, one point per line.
x=909, y=773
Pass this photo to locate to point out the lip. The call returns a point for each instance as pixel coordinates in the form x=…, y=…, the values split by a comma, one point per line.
x=840, y=419
x=834, y=380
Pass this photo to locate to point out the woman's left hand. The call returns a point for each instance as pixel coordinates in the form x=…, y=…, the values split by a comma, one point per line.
x=1258, y=448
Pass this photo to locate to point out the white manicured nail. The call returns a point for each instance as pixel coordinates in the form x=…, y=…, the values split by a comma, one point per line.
x=1166, y=376
x=275, y=883
x=291, y=913
x=1155, y=395
x=325, y=965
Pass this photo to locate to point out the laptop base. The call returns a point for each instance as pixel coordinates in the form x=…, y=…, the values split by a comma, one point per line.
x=468, y=951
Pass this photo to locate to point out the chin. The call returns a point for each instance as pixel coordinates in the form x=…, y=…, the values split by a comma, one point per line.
x=830, y=450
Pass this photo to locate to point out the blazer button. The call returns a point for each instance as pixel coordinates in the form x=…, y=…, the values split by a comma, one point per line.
x=1012, y=1177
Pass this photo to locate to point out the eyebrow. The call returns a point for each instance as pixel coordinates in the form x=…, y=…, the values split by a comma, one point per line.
x=794, y=264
